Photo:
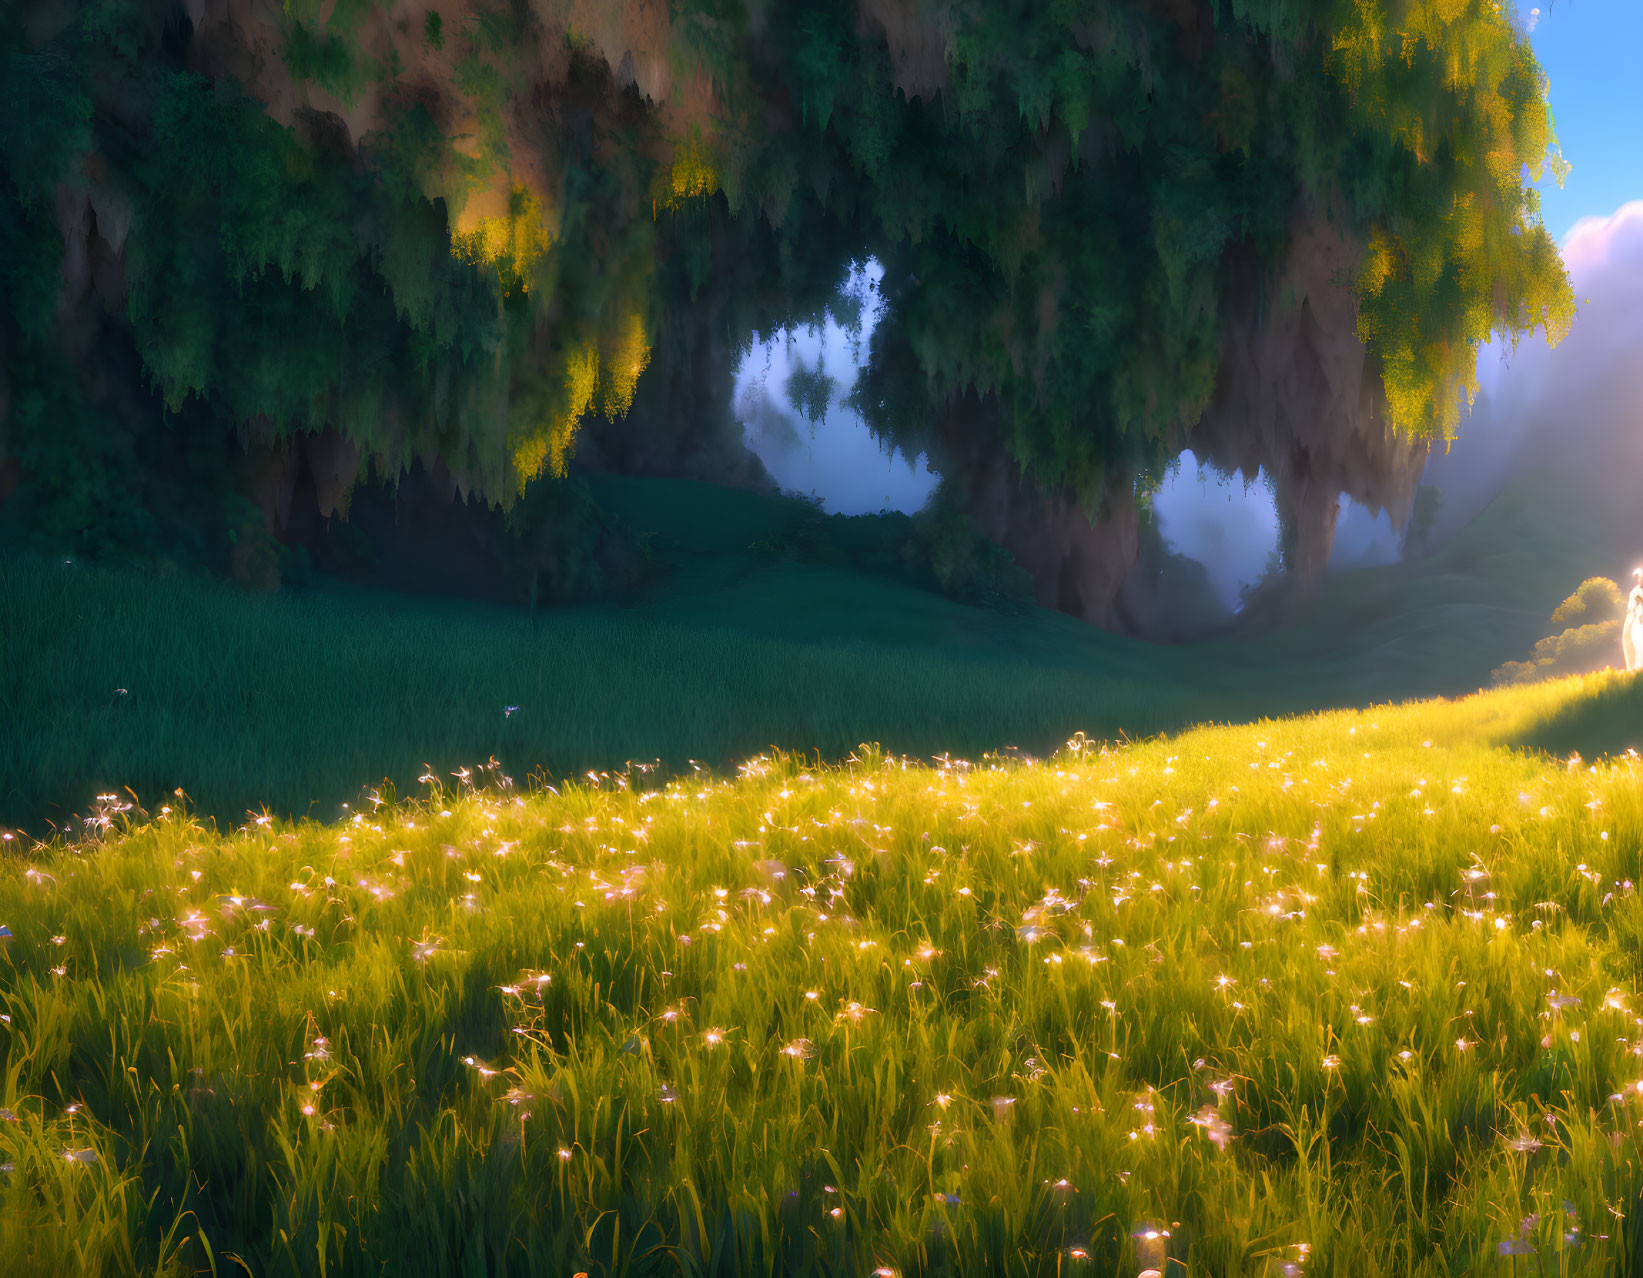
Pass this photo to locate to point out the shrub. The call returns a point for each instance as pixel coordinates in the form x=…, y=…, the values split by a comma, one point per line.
x=1597, y=599
x=1596, y=608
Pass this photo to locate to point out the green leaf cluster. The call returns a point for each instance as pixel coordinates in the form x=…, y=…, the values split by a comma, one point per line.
x=1070, y=199
x=281, y=280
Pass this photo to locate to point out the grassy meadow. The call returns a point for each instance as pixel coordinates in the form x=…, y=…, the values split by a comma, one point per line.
x=637, y=961
x=1354, y=993
x=292, y=703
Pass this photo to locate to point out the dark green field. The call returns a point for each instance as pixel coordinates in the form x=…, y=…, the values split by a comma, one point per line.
x=297, y=701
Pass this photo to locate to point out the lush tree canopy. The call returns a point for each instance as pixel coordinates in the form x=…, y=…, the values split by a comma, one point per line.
x=456, y=232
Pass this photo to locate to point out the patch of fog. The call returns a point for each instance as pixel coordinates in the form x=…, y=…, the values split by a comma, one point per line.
x=1229, y=527
x=825, y=450
x=1363, y=540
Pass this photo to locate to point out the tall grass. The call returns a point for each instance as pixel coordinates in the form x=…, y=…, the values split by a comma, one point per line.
x=1356, y=992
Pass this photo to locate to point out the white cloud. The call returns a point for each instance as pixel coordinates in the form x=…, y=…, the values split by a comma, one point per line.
x=1580, y=404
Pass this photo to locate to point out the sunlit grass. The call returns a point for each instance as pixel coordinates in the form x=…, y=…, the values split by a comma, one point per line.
x=1356, y=992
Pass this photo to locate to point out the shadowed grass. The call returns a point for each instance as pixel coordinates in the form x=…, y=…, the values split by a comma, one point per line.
x=297, y=701
x=1607, y=718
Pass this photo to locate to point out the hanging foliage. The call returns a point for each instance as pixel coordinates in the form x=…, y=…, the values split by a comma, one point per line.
x=456, y=234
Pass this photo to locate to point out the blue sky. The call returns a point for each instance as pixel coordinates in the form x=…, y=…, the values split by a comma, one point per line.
x=1592, y=54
